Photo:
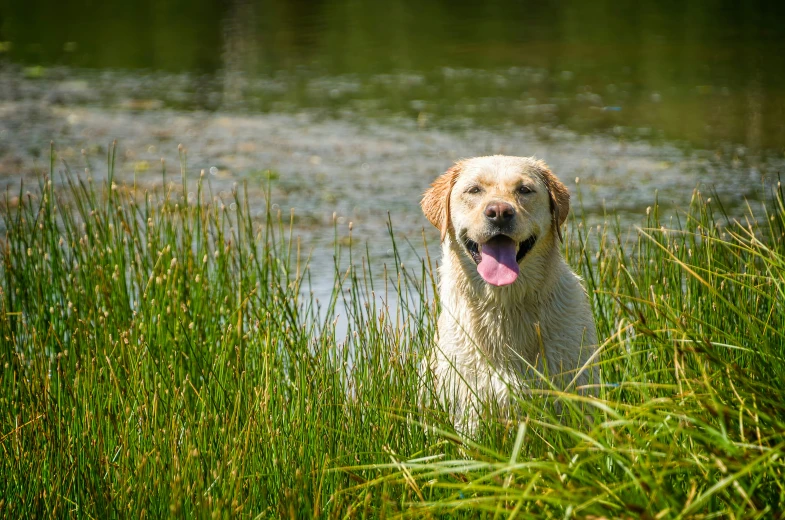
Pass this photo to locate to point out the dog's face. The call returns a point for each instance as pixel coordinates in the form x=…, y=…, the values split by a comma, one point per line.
x=497, y=208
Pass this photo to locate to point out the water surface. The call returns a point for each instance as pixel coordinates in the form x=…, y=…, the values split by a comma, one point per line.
x=356, y=106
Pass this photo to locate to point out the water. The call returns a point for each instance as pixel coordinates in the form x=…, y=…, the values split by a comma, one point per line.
x=356, y=106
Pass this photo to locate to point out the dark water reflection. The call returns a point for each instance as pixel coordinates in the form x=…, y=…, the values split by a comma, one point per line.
x=706, y=73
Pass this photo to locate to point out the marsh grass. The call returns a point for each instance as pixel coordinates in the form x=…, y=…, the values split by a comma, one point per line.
x=165, y=357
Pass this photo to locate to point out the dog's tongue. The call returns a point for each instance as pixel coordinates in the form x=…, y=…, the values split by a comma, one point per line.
x=498, y=265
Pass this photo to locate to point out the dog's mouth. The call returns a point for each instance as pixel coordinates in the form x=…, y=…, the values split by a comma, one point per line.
x=497, y=259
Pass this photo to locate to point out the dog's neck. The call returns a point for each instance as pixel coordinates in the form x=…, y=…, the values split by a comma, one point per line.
x=495, y=314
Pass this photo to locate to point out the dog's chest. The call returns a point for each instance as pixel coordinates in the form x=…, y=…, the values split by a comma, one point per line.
x=500, y=333
x=505, y=332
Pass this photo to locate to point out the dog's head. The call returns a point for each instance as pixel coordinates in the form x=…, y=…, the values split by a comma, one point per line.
x=497, y=208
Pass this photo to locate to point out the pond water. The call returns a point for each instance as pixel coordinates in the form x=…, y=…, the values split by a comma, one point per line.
x=355, y=106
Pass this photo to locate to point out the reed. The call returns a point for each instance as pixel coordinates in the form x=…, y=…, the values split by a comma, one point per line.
x=162, y=357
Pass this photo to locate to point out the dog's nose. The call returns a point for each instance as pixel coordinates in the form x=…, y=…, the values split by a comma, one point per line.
x=499, y=212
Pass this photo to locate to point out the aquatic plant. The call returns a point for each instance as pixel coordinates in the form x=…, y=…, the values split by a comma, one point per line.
x=161, y=356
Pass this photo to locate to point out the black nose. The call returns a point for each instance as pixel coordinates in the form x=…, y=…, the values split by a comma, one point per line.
x=499, y=212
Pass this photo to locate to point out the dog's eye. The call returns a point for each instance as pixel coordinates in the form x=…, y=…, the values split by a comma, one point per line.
x=523, y=189
x=473, y=190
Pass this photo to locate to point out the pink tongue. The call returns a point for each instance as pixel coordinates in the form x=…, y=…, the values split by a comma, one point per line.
x=498, y=265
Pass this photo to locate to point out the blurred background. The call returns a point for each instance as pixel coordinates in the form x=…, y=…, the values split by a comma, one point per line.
x=354, y=106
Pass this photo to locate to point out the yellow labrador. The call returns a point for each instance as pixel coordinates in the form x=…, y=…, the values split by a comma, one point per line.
x=510, y=304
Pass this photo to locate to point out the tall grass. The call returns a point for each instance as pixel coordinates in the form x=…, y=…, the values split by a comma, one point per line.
x=164, y=357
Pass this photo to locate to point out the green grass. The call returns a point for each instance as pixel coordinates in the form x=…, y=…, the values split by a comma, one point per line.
x=164, y=358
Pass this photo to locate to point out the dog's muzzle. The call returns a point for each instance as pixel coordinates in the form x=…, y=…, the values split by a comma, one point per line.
x=497, y=259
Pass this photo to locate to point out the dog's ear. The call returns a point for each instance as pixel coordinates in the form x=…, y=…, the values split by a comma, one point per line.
x=560, y=198
x=436, y=200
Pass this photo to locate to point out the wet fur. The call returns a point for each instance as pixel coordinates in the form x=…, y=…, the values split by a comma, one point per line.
x=488, y=337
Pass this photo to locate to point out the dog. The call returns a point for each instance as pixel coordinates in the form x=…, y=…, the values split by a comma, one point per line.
x=513, y=313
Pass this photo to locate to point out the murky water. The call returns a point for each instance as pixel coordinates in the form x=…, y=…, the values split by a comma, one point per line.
x=356, y=106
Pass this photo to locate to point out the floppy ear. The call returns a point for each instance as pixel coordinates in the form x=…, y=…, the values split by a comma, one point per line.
x=436, y=200
x=560, y=198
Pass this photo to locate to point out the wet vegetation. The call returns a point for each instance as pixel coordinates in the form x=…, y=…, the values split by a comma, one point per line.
x=163, y=356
